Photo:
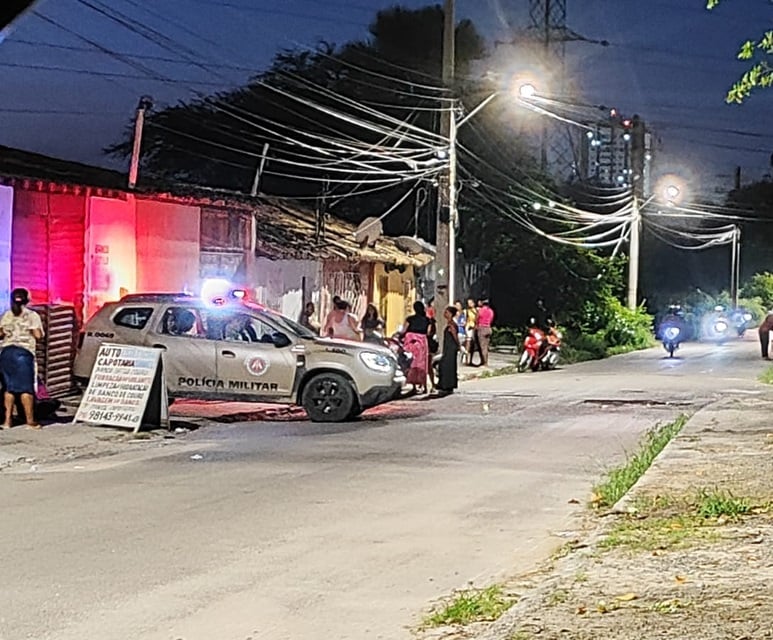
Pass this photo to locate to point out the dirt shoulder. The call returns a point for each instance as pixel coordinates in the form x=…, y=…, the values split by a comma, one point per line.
x=687, y=553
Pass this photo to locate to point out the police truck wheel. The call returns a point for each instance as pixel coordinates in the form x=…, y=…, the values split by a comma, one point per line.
x=328, y=397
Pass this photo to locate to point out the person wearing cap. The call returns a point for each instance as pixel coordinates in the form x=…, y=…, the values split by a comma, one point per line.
x=20, y=329
x=765, y=328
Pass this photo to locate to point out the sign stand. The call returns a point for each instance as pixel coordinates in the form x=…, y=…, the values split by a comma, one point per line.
x=157, y=408
x=127, y=388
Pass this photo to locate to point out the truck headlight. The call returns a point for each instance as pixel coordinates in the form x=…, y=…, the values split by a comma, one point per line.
x=376, y=362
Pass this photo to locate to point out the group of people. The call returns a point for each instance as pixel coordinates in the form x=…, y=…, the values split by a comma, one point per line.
x=466, y=331
x=473, y=324
x=341, y=322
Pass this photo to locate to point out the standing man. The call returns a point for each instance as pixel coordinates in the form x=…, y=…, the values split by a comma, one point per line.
x=20, y=329
x=485, y=320
x=765, y=329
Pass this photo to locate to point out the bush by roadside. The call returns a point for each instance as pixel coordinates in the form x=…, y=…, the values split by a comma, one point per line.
x=606, y=328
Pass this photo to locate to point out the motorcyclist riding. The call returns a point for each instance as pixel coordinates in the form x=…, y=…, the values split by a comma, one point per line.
x=674, y=318
x=543, y=320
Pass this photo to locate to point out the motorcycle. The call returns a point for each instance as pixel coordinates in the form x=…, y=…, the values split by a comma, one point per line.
x=540, y=350
x=716, y=326
x=395, y=345
x=672, y=336
x=741, y=319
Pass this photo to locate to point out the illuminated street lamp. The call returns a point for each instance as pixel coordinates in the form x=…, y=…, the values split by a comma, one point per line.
x=524, y=89
x=672, y=193
x=527, y=90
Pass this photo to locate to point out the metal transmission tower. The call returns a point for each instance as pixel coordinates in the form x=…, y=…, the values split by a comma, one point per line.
x=548, y=31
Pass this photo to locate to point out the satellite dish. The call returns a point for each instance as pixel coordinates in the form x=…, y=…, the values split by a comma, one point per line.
x=369, y=231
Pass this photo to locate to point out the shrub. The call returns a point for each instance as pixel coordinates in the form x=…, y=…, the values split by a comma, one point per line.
x=505, y=336
x=760, y=286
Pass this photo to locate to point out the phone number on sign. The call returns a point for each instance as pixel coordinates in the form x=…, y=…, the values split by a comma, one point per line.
x=97, y=415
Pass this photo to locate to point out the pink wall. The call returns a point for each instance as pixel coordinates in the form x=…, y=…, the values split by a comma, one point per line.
x=6, y=222
x=168, y=238
x=111, y=251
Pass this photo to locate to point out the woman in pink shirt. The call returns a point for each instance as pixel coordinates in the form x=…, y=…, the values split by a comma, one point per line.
x=485, y=320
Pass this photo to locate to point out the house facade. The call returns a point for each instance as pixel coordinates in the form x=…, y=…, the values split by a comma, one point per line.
x=72, y=235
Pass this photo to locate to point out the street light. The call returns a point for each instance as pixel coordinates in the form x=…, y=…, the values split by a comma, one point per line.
x=446, y=253
x=672, y=192
x=527, y=90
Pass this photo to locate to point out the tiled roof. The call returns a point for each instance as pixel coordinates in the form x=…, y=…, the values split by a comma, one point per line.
x=16, y=163
x=285, y=228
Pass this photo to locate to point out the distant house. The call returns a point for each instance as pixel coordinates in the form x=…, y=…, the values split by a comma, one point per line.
x=74, y=234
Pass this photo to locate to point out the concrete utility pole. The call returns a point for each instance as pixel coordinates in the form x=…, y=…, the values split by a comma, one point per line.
x=259, y=173
x=445, y=240
x=146, y=102
x=735, y=267
x=637, y=186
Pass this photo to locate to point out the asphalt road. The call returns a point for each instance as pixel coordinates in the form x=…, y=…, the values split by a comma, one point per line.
x=300, y=531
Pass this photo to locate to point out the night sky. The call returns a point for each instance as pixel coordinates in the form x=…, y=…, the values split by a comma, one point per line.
x=670, y=61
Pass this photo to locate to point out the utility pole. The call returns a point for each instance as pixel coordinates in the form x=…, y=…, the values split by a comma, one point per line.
x=259, y=173
x=146, y=102
x=445, y=240
x=735, y=267
x=637, y=187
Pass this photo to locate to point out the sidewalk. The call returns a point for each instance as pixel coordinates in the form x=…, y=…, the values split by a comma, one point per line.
x=497, y=363
x=688, y=553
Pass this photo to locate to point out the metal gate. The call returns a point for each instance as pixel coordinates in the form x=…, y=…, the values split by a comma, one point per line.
x=56, y=351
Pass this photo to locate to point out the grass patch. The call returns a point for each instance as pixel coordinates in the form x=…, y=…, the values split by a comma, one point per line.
x=767, y=376
x=721, y=504
x=669, y=606
x=471, y=605
x=503, y=371
x=659, y=533
x=559, y=596
x=620, y=479
x=665, y=522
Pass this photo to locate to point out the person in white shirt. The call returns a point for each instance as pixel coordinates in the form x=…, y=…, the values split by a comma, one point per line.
x=20, y=329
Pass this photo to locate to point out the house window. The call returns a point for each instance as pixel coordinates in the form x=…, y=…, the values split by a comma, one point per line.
x=223, y=230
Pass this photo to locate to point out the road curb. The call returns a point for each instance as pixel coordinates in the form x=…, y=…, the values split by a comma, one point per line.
x=552, y=573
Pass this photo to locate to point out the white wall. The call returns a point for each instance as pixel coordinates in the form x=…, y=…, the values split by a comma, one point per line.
x=278, y=284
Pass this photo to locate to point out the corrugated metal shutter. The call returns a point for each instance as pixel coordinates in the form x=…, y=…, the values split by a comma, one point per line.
x=66, y=241
x=29, y=245
x=47, y=249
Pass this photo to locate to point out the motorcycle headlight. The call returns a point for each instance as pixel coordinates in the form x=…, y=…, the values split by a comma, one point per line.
x=376, y=362
x=747, y=317
x=720, y=326
x=672, y=333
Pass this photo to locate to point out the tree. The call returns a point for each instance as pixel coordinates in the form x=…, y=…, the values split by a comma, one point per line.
x=760, y=75
x=11, y=10
x=760, y=286
x=310, y=103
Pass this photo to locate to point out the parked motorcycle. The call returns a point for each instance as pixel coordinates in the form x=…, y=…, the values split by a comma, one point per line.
x=540, y=350
x=404, y=358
